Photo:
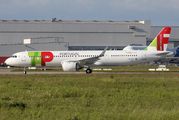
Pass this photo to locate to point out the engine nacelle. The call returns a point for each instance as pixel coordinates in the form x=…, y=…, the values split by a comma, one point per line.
x=70, y=66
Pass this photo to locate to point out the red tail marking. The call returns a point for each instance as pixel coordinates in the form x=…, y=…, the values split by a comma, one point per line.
x=161, y=40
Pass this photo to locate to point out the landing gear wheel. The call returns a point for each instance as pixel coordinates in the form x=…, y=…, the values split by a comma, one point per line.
x=88, y=71
x=24, y=72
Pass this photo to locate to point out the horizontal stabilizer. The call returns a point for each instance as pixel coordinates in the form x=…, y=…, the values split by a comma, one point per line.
x=172, y=57
x=163, y=53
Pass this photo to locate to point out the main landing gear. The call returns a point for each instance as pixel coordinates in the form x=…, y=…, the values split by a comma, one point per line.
x=24, y=72
x=88, y=70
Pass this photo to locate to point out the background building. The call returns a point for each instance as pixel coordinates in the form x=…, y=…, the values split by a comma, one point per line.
x=52, y=35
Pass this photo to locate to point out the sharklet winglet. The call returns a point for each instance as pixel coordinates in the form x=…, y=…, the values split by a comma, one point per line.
x=102, y=54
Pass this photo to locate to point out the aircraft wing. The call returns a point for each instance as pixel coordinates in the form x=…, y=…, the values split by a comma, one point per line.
x=91, y=60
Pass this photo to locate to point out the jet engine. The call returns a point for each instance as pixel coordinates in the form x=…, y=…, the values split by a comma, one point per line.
x=70, y=66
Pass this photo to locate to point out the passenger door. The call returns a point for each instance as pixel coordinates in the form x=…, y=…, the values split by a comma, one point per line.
x=23, y=56
x=144, y=56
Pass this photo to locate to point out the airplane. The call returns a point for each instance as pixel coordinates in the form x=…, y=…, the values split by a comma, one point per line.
x=75, y=60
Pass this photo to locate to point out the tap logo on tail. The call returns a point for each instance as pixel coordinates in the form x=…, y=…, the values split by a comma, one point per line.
x=161, y=40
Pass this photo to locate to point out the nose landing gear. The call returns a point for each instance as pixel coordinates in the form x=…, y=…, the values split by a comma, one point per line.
x=24, y=72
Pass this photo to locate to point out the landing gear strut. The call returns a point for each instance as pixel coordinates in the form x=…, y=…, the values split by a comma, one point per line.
x=24, y=72
x=88, y=70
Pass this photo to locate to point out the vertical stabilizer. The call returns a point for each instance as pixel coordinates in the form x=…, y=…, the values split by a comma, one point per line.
x=161, y=40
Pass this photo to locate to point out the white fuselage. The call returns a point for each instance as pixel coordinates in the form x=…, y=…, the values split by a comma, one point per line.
x=110, y=58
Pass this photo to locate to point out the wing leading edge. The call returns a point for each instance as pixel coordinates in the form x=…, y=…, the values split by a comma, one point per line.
x=90, y=60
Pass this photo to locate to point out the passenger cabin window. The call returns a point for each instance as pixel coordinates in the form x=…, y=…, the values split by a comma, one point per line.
x=123, y=55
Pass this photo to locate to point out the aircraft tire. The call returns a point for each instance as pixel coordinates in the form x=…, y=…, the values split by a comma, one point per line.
x=88, y=71
x=24, y=72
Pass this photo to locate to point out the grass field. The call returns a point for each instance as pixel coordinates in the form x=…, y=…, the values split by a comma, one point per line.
x=90, y=97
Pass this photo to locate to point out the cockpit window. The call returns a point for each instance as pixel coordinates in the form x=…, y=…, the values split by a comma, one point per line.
x=14, y=56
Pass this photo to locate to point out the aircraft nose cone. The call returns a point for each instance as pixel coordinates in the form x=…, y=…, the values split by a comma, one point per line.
x=7, y=61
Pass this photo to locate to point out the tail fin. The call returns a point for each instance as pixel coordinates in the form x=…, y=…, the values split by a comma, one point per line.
x=161, y=40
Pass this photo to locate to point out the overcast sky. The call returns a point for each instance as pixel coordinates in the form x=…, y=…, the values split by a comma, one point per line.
x=160, y=12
